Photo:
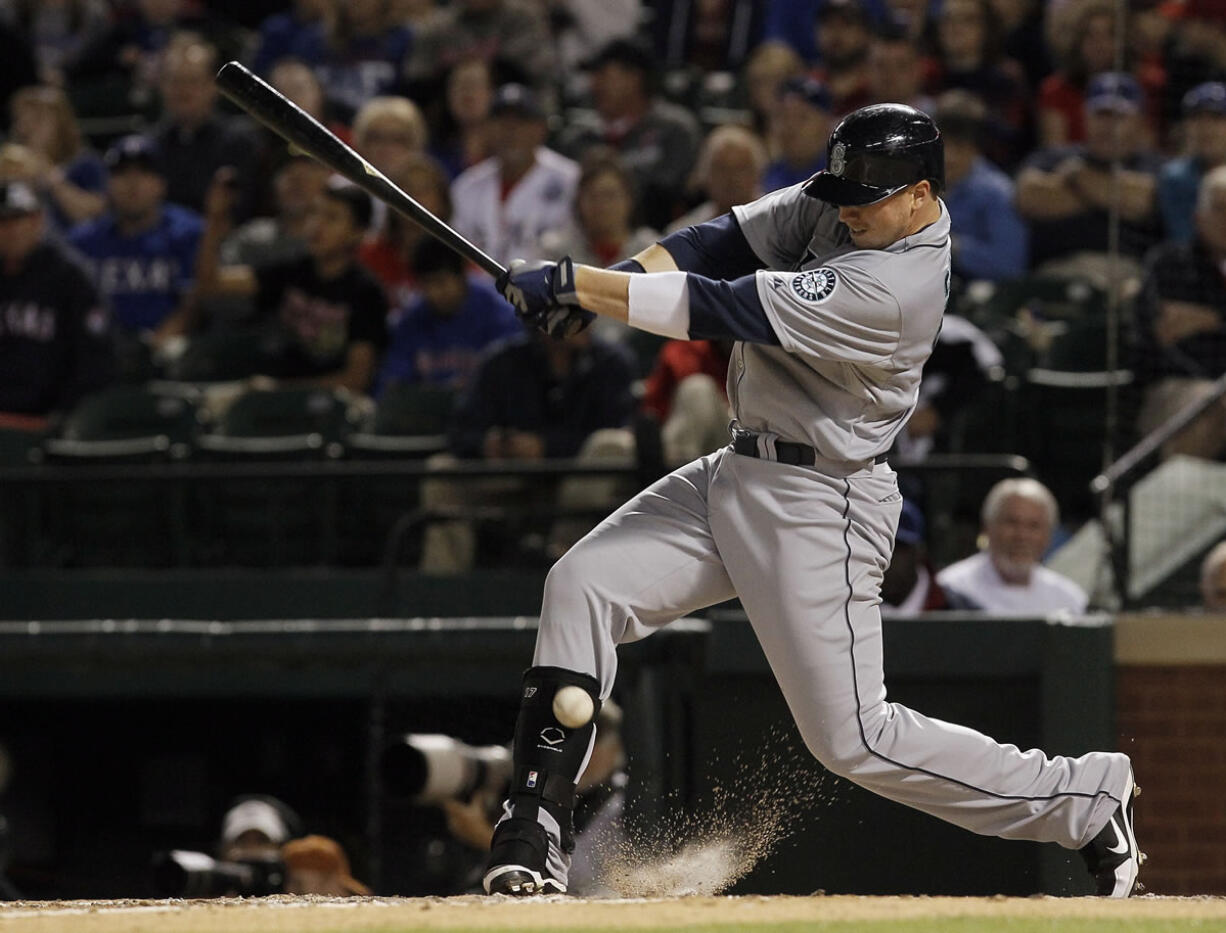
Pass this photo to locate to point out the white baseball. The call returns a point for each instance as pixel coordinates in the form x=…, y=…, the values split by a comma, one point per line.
x=573, y=707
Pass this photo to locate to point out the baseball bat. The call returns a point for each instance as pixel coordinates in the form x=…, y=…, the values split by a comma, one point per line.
x=291, y=122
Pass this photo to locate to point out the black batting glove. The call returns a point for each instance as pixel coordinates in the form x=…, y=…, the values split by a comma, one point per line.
x=543, y=295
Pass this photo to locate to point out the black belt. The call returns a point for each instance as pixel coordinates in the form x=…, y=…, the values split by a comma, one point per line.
x=746, y=444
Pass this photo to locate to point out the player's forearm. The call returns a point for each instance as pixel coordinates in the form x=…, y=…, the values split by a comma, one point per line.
x=655, y=302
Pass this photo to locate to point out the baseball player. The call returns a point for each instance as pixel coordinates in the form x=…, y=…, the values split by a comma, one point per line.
x=834, y=291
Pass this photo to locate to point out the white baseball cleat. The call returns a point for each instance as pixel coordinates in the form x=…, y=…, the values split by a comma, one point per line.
x=1112, y=856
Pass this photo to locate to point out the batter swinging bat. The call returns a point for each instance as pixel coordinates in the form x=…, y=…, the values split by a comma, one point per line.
x=288, y=120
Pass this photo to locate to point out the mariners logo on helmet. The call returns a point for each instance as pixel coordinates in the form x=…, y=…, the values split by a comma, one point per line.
x=815, y=285
x=838, y=157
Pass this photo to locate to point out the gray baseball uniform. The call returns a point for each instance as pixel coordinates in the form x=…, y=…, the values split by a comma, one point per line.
x=805, y=547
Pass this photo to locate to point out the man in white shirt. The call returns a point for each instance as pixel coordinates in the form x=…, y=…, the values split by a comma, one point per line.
x=1007, y=579
x=506, y=202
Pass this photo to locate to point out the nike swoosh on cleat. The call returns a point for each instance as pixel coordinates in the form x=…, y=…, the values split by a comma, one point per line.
x=1121, y=846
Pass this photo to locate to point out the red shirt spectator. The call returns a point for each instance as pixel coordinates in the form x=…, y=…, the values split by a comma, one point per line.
x=677, y=360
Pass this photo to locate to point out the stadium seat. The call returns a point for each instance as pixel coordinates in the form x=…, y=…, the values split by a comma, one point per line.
x=126, y=423
x=408, y=421
x=282, y=423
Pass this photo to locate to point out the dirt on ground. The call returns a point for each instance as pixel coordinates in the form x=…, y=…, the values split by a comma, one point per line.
x=308, y=914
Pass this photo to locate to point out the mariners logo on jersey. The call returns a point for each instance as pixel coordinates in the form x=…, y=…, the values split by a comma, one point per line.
x=815, y=284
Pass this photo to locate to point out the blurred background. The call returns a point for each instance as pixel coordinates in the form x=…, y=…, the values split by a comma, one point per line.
x=281, y=478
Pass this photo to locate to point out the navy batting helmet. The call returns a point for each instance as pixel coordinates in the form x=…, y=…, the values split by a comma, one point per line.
x=877, y=151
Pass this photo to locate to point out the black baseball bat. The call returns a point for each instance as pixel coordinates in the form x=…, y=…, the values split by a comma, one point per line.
x=291, y=122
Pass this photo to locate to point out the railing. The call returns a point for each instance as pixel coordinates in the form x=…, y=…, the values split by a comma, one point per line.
x=179, y=492
x=1113, y=484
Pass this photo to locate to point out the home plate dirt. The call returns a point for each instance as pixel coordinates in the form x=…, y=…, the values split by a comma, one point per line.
x=312, y=914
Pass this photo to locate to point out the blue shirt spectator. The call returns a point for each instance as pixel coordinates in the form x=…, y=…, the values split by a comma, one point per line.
x=357, y=59
x=792, y=21
x=442, y=332
x=799, y=125
x=1204, y=115
x=142, y=252
x=291, y=34
x=990, y=240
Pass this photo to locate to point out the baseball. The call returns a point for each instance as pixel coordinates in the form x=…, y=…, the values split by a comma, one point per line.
x=573, y=707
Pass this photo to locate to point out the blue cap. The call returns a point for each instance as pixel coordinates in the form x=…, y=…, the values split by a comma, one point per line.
x=910, y=524
x=135, y=150
x=1209, y=97
x=1114, y=90
x=812, y=91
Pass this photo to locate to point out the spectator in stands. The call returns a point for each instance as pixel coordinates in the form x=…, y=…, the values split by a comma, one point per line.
x=142, y=250
x=359, y=54
x=297, y=185
x=388, y=251
x=730, y=170
x=1204, y=121
x=531, y=398
x=686, y=397
x=464, y=137
x=706, y=36
x=602, y=229
x=330, y=312
x=508, y=202
x=70, y=176
x=290, y=34
x=54, y=329
x=896, y=69
x=1019, y=516
x=909, y=586
x=843, y=33
x=57, y=30
x=799, y=126
x=769, y=65
x=127, y=57
x=969, y=57
x=1084, y=35
x=656, y=140
x=1213, y=579
x=390, y=132
x=509, y=34
x=296, y=80
x=1024, y=40
x=1065, y=193
x=194, y=139
x=1195, y=51
x=581, y=27
x=440, y=335
x=989, y=238
x=1181, y=316
x=318, y=865
x=963, y=361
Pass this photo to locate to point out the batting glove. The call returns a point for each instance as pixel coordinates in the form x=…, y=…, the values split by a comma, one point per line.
x=543, y=295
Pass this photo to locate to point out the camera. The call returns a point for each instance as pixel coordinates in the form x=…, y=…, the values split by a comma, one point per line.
x=181, y=873
x=434, y=768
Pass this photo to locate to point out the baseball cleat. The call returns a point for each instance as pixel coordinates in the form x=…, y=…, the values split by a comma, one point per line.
x=519, y=881
x=1112, y=856
x=517, y=861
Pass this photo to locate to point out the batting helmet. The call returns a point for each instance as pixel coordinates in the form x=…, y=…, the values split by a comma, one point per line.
x=877, y=151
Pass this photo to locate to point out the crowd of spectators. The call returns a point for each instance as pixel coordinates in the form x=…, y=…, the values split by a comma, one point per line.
x=1085, y=139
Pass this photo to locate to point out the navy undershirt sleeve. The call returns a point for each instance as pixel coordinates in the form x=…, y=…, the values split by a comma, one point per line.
x=717, y=249
x=728, y=310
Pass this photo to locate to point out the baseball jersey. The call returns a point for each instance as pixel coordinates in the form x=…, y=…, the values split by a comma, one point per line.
x=508, y=225
x=55, y=339
x=143, y=276
x=855, y=327
x=974, y=583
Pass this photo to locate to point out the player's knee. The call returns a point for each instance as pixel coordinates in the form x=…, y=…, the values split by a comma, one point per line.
x=841, y=751
x=569, y=585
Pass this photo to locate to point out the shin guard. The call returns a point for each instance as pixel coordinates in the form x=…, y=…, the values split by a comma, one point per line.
x=549, y=756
